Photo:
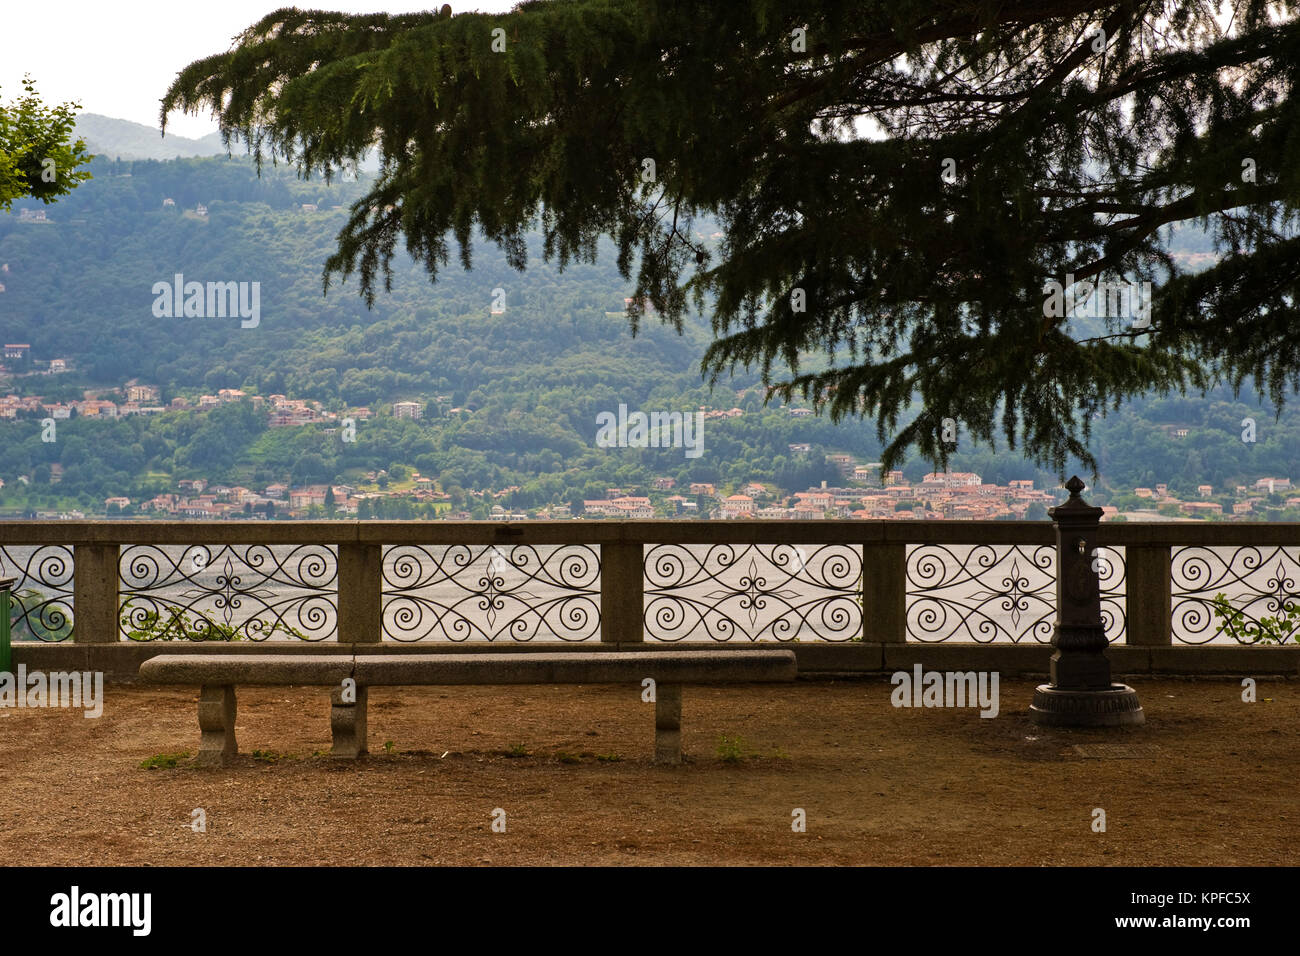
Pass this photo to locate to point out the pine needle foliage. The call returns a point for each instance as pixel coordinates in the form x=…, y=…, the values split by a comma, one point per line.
x=916, y=172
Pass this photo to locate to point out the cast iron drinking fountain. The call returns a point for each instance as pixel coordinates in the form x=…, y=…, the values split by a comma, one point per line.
x=1081, y=693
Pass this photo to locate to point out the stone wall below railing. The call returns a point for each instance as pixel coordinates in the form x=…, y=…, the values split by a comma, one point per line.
x=121, y=662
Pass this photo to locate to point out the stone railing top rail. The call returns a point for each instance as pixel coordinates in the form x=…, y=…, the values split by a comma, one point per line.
x=647, y=531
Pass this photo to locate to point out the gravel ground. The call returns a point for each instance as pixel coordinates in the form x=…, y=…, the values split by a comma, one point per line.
x=1208, y=780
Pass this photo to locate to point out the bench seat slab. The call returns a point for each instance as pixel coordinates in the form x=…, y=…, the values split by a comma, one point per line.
x=588, y=667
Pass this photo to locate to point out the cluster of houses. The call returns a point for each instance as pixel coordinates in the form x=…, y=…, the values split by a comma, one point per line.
x=144, y=400
x=936, y=496
x=1242, y=501
x=23, y=350
x=141, y=400
x=196, y=498
x=623, y=506
x=947, y=495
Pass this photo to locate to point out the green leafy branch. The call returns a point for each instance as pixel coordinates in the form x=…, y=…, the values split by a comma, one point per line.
x=1246, y=630
x=39, y=158
x=178, y=625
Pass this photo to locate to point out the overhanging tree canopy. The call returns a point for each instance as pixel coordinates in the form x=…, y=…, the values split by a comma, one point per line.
x=913, y=174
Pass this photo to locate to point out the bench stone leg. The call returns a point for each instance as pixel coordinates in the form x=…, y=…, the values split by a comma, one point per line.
x=217, y=745
x=348, y=724
x=668, y=723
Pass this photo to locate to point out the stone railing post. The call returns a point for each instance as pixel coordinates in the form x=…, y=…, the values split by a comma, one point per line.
x=95, y=594
x=884, y=593
x=360, y=594
x=622, y=592
x=1150, y=596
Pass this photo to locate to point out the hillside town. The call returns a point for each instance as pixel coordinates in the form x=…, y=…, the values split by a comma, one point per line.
x=144, y=400
x=862, y=494
x=938, y=496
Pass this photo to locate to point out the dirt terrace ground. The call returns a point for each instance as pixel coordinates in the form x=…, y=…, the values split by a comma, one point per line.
x=879, y=785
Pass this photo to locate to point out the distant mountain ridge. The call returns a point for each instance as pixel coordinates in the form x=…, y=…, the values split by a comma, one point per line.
x=123, y=139
x=126, y=140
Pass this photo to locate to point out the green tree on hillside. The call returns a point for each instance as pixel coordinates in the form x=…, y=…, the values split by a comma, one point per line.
x=38, y=157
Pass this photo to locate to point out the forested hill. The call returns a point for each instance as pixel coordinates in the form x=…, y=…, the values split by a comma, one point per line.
x=81, y=289
x=530, y=379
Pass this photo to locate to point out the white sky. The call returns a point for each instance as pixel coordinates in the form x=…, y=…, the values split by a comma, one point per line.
x=118, y=58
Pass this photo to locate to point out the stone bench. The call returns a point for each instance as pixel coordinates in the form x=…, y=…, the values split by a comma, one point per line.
x=218, y=675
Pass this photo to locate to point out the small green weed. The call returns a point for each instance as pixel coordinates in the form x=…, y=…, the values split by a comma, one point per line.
x=164, y=761
x=735, y=749
x=731, y=749
x=269, y=756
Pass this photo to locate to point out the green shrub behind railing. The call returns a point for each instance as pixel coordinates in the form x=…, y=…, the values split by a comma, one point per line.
x=1246, y=630
x=31, y=624
x=180, y=625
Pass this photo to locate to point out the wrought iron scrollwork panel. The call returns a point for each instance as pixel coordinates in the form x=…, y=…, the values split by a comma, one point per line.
x=490, y=592
x=986, y=593
x=753, y=592
x=229, y=592
x=40, y=600
x=1257, y=581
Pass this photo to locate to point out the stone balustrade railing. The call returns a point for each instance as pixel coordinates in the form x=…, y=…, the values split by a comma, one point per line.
x=913, y=584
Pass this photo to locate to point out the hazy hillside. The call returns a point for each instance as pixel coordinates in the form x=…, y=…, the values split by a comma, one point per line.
x=123, y=139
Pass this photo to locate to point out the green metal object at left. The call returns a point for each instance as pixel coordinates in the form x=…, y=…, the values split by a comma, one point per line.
x=6, y=652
